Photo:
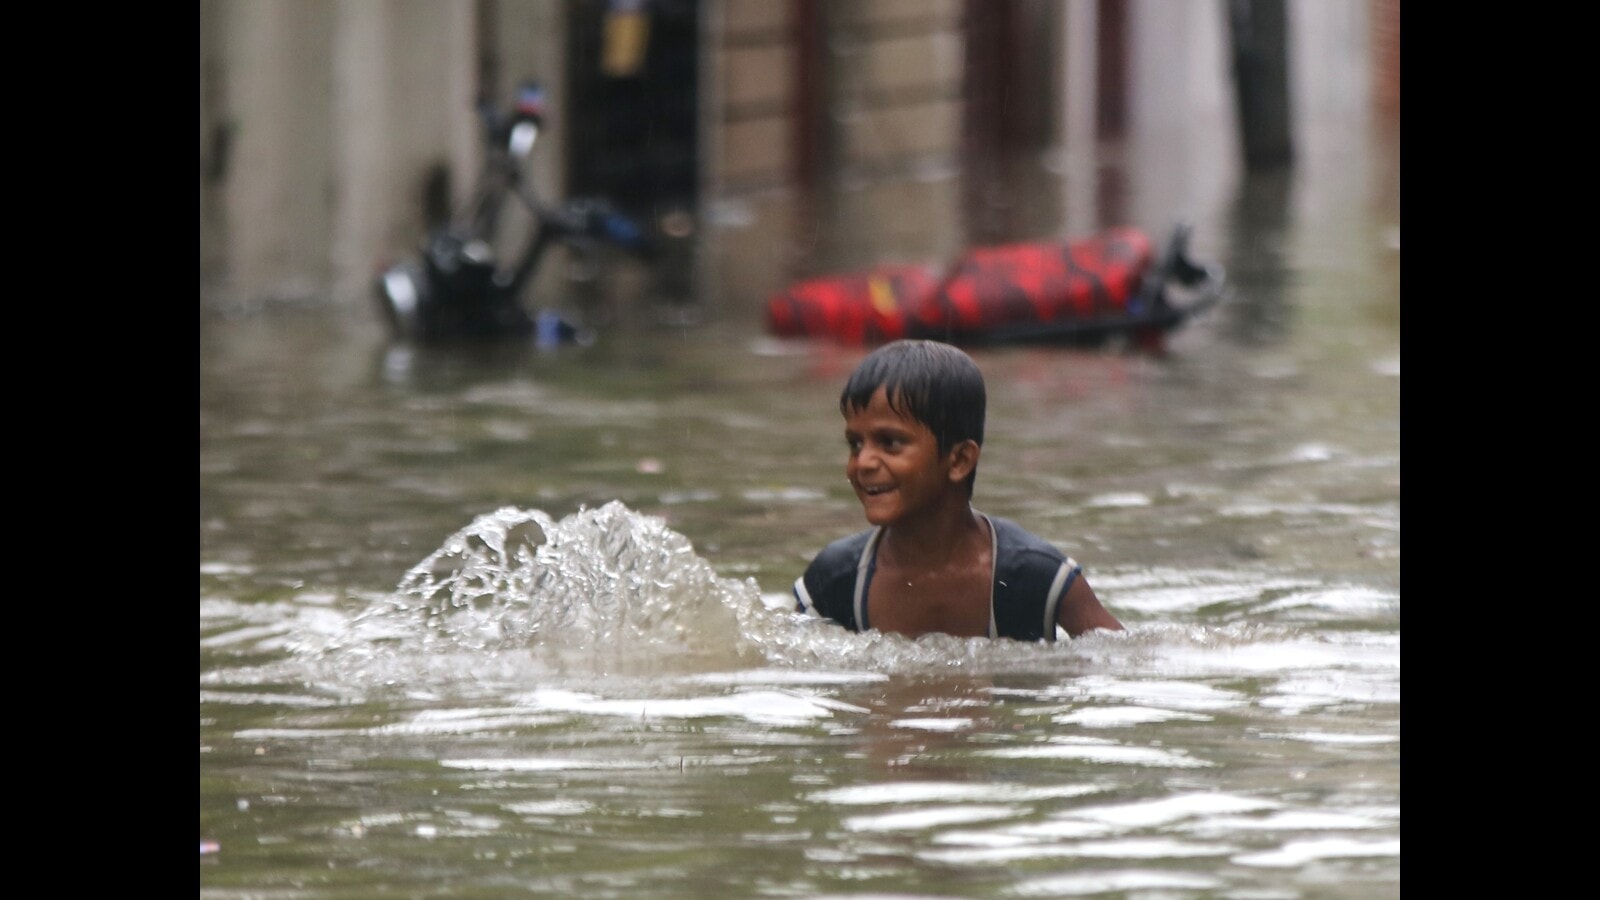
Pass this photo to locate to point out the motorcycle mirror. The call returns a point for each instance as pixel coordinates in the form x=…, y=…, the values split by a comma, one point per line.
x=523, y=135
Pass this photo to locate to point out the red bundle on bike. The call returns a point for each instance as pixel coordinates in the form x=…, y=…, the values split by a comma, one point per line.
x=1048, y=285
x=866, y=307
x=1036, y=283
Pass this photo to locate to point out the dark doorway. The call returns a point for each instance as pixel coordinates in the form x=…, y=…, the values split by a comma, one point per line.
x=633, y=84
x=1007, y=110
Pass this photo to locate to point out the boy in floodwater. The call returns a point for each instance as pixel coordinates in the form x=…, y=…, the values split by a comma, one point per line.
x=913, y=421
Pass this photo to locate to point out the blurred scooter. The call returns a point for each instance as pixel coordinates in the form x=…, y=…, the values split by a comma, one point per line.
x=458, y=289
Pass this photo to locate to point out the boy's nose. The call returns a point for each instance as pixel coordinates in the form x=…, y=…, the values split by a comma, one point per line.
x=866, y=458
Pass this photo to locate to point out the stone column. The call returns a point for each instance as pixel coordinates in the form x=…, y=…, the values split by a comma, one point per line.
x=273, y=87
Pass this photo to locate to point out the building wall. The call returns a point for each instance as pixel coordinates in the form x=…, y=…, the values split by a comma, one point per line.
x=751, y=86
x=894, y=86
x=341, y=114
x=322, y=122
x=265, y=83
x=1385, y=28
x=402, y=109
x=1180, y=82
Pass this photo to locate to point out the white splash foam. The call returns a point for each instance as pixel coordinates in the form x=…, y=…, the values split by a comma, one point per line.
x=1172, y=809
x=765, y=707
x=1116, y=755
x=1121, y=882
x=1298, y=853
x=951, y=724
x=1159, y=693
x=536, y=764
x=1116, y=500
x=923, y=819
x=1122, y=716
x=950, y=792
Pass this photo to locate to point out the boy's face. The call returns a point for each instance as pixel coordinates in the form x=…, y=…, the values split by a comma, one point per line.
x=895, y=465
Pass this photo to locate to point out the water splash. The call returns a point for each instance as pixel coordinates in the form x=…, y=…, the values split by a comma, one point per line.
x=519, y=597
x=604, y=578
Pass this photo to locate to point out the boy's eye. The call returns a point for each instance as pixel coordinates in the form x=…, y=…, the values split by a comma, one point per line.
x=853, y=443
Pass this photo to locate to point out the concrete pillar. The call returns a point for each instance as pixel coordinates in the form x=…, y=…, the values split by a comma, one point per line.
x=1181, y=115
x=1078, y=140
x=338, y=113
x=1385, y=30
x=273, y=89
x=365, y=229
x=1260, y=39
x=216, y=142
x=406, y=77
x=1328, y=44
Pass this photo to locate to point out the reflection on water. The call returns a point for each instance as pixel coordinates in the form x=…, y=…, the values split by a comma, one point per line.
x=510, y=622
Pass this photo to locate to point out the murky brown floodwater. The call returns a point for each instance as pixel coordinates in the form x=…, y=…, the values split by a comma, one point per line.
x=630, y=710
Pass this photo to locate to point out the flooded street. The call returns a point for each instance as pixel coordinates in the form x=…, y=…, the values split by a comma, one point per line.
x=505, y=622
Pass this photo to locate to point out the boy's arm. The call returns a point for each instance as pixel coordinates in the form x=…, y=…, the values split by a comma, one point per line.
x=1081, y=610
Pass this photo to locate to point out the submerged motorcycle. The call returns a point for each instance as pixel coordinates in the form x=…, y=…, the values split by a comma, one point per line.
x=458, y=288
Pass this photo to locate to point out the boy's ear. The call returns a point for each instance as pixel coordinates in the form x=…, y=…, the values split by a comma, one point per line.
x=963, y=459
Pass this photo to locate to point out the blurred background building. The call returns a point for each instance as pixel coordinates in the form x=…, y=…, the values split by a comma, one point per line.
x=775, y=133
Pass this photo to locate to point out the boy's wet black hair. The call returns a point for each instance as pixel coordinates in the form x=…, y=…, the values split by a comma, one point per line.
x=929, y=381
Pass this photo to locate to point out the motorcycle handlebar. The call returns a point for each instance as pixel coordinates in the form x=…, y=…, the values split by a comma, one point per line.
x=510, y=129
